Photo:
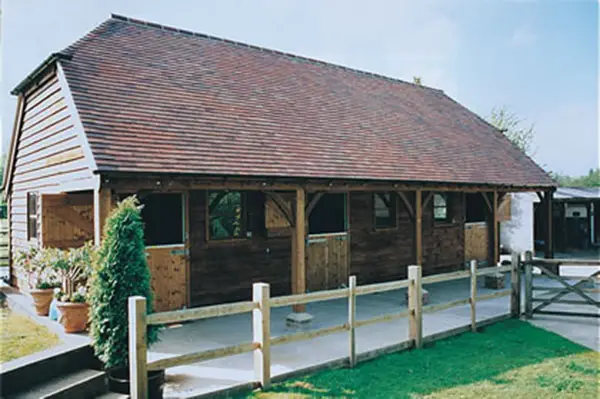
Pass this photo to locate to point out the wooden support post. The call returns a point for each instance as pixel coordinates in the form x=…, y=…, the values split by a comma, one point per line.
x=415, y=306
x=138, y=373
x=299, y=248
x=352, y=320
x=261, y=331
x=496, y=237
x=419, y=228
x=528, y=286
x=473, y=298
x=549, y=248
x=515, y=286
x=102, y=207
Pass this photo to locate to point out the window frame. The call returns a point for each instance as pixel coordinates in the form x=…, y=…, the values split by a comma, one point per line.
x=392, y=209
x=448, y=219
x=33, y=234
x=245, y=229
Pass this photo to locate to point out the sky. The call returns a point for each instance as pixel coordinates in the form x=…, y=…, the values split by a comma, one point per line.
x=538, y=58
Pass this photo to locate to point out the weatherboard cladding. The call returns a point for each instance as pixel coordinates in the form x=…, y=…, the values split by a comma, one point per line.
x=155, y=99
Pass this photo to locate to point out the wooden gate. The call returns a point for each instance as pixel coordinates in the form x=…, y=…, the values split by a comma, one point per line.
x=327, y=261
x=561, y=289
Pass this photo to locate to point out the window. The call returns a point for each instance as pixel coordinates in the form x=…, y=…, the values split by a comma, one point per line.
x=440, y=208
x=32, y=216
x=329, y=215
x=163, y=219
x=476, y=208
x=226, y=215
x=384, y=209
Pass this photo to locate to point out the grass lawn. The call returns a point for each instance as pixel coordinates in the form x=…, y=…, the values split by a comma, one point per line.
x=510, y=359
x=20, y=336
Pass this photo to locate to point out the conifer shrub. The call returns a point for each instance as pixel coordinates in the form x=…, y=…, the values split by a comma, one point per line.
x=121, y=271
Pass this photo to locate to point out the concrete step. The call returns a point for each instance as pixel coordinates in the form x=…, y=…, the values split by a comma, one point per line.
x=112, y=395
x=86, y=383
x=46, y=368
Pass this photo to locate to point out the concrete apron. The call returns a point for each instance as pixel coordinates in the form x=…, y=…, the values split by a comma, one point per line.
x=203, y=378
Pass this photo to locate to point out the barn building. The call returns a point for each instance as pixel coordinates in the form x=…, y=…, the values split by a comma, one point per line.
x=252, y=164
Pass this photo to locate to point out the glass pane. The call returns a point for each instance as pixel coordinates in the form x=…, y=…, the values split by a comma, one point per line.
x=225, y=213
x=440, y=213
x=439, y=200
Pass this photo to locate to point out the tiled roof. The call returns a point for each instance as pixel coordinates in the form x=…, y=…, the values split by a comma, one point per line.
x=158, y=99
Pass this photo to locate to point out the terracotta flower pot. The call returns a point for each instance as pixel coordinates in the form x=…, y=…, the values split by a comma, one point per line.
x=41, y=300
x=73, y=316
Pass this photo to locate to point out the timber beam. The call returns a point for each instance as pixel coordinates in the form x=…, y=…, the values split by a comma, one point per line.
x=418, y=228
x=313, y=203
x=407, y=204
x=131, y=183
x=282, y=206
x=427, y=199
x=299, y=248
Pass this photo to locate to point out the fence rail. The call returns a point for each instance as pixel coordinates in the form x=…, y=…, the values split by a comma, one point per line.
x=261, y=305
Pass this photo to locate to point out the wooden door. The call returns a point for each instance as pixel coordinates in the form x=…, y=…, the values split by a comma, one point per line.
x=168, y=267
x=327, y=261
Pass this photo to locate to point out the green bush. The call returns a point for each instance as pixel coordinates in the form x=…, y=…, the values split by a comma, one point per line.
x=121, y=272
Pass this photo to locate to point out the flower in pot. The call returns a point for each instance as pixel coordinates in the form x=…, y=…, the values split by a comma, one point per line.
x=40, y=277
x=74, y=311
x=121, y=271
x=74, y=266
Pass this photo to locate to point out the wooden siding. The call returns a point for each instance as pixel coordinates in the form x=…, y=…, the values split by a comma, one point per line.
x=379, y=255
x=48, y=156
x=67, y=219
x=223, y=271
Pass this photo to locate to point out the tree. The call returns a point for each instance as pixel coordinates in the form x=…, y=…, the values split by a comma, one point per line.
x=592, y=179
x=512, y=127
x=121, y=271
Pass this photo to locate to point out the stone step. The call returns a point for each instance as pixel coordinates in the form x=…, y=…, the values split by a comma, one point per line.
x=86, y=383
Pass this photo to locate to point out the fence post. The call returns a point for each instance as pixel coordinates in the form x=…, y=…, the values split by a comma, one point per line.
x=528, y=286
x=138, y=373
x=473, y=298
x=352, y=319
x=515, y=285
x=415, y=306
x=261, y=331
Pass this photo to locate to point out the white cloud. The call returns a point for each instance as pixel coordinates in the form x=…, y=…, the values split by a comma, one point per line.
x=523, y=37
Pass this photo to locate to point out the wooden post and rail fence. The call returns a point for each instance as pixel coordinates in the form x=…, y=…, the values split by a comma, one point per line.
x=261, y=304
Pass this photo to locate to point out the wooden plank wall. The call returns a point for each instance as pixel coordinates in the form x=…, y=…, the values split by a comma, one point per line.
x=383, y=255
x=48, y=154
x=223, y=271
x=67, y=219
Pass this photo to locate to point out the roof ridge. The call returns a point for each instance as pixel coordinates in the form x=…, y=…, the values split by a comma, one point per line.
x=269, y=50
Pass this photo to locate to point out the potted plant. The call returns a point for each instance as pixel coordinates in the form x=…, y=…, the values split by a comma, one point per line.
x=74, y=266
x=40, y=277
x=121, y=271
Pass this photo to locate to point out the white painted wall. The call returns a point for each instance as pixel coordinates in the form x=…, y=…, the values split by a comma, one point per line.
x=517, y=233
